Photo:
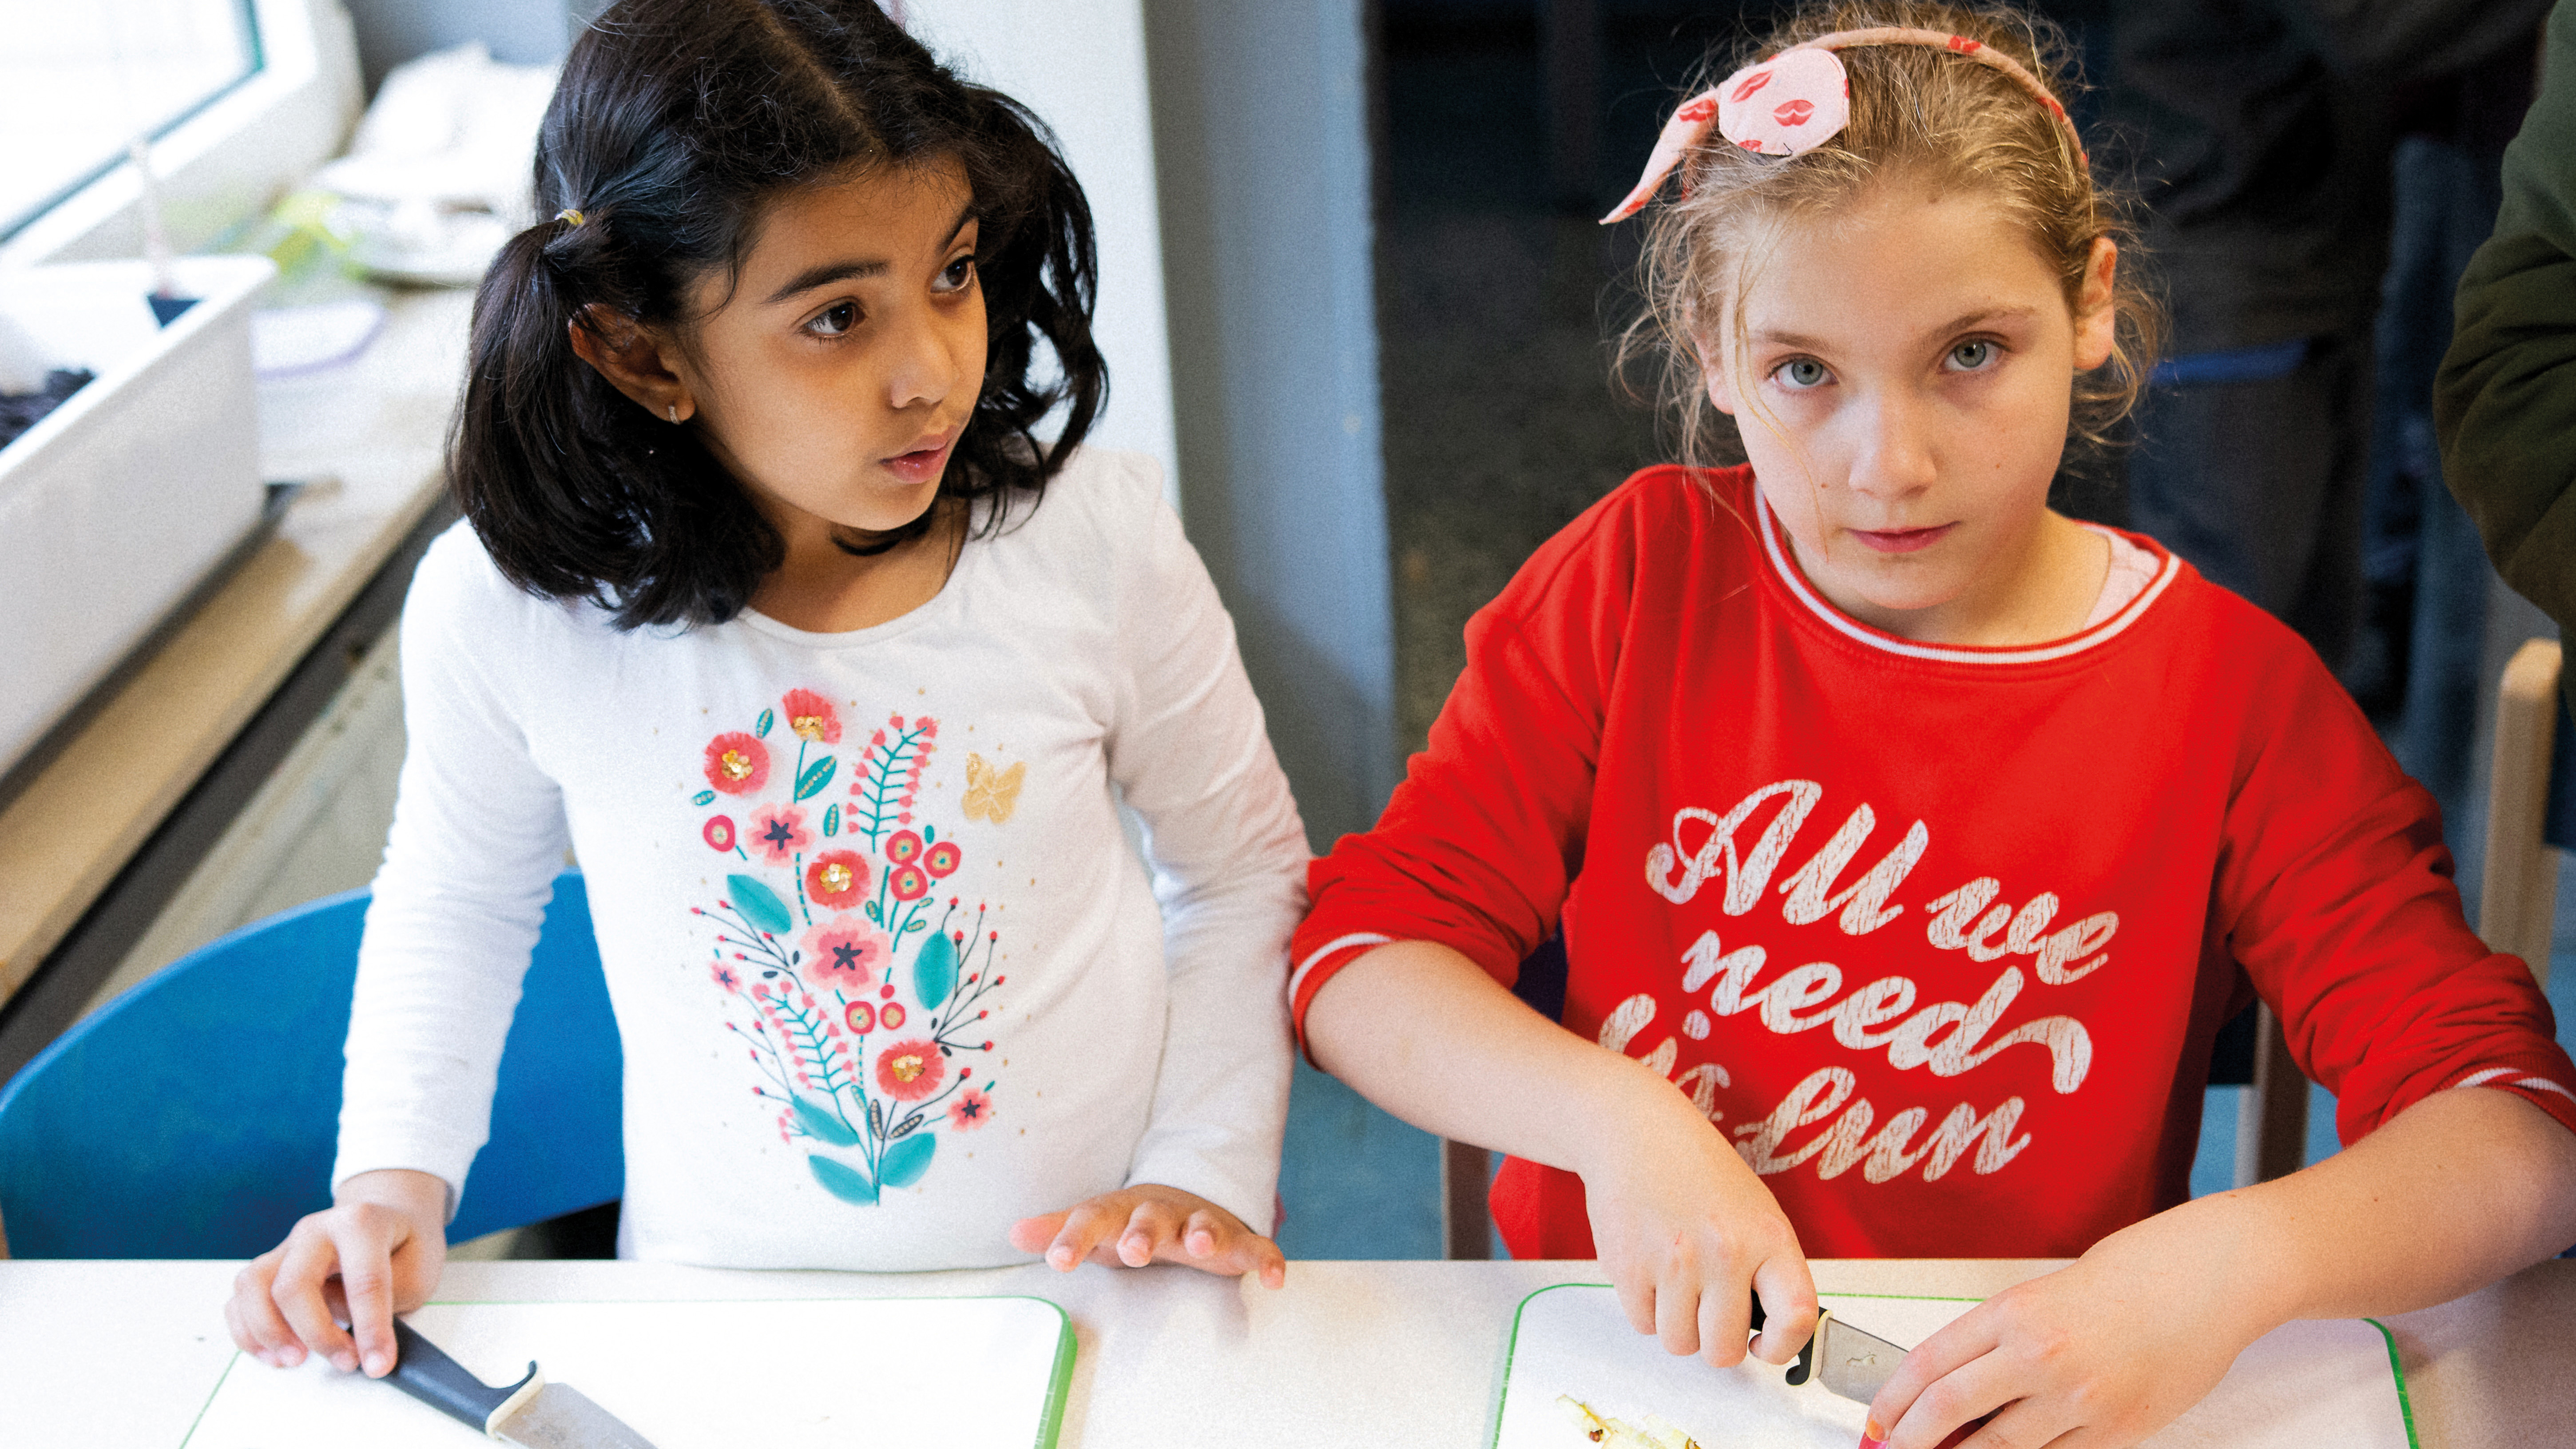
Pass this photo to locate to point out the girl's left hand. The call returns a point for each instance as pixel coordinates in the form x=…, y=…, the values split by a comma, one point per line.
x=1151, y=1223
x=2097, y=1355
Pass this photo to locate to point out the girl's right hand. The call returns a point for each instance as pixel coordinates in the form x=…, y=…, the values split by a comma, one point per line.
x=1684, y=1227
x=375, y=1253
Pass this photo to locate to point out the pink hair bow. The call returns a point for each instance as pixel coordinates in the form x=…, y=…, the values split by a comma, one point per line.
x=1800, y=99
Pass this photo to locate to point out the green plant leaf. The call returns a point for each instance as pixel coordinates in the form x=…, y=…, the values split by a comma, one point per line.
x=824, y=1123
x=816, y=776
x=934, y=970
x=768, y=717
x=760, y=905
x=905, y=1162
x=844, y=1181
x=831, y=821
x=703, y=797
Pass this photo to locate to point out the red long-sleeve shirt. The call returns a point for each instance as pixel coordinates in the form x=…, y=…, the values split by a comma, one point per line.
x=1938, y=936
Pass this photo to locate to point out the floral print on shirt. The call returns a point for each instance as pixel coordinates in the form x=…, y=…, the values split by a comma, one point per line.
x=858, y=991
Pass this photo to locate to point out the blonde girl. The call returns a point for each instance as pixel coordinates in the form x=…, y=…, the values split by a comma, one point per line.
x=1911, y=841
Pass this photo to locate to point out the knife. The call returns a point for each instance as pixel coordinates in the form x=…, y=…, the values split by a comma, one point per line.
x=1853, y=1364
x=1849, y=1362
x=531, y=1412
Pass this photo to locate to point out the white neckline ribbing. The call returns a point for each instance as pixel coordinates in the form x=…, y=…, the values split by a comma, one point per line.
x=2076, y=643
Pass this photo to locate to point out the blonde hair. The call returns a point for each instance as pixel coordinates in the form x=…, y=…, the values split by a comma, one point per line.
x=1915, y=110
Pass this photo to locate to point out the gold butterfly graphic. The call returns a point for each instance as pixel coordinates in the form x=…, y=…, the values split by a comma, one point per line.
x=992, y=794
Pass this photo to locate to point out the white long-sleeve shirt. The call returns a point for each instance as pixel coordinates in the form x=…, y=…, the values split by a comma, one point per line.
x=888, y=975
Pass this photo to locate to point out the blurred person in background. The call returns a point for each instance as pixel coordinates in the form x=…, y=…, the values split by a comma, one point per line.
x=2267, y=133
x=2505, y=405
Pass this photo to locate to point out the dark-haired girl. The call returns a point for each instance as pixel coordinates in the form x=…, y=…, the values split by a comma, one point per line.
x=778, y=610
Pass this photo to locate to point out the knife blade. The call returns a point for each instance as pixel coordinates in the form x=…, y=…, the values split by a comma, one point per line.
x=1852, y=1363
x=531, y=1412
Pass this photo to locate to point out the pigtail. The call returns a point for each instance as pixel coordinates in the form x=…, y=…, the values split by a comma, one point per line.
x=574, y=489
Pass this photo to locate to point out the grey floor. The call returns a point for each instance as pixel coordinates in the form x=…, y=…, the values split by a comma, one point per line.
x=1502, y=424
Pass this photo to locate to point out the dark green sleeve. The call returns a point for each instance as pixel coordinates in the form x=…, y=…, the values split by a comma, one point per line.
x=2505, y=403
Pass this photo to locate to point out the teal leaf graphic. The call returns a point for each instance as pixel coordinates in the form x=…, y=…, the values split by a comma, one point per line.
x=846, y=1182
x=703, y=797
x=816, y=776
x=934, y=971
x=760, y=905
x=930, y=833
x=831, y=822
x=905, y=1162
x=824, y=1123
x=768, y=717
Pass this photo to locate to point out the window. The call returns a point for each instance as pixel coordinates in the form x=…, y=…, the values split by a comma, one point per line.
x=79, y=81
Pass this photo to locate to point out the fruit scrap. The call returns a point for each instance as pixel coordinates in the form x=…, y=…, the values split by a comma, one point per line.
x=1617, y=1434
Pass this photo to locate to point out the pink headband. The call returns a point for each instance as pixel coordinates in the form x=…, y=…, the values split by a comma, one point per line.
x=1800, y=99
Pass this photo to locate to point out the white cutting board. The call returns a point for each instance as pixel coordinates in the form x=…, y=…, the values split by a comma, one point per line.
x=973, y=1373
x=2301, y=1386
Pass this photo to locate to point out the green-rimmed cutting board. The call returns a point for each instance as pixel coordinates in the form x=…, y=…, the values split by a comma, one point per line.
x=961, y=1373
x=2301, y=1386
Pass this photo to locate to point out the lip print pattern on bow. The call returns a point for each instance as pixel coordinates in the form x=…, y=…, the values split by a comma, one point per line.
x=1800, y=99
x=1786, y=105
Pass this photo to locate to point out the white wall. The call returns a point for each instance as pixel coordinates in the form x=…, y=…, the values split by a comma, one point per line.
x=1080, y=64
x=1261, y=136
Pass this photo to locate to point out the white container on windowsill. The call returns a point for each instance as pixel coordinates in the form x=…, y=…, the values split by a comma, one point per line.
x=115, y=506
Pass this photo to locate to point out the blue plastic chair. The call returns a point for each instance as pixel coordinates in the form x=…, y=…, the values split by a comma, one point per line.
x=196, y=1116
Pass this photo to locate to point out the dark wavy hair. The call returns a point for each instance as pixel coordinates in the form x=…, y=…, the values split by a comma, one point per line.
x=675, y=122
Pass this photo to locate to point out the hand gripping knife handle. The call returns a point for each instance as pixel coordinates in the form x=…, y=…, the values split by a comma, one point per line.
x=1798, y=1371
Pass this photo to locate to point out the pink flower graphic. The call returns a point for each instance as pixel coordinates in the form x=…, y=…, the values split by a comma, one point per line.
x=835, y=878
x=890, y=1015
x=779, y=832
x=725, y=977
x=972, y=1109
x=943, y=860
x=812, y=717
x=908, y=883
x=905, y=848
x=719, y=832
x=861, y=1016
x=911, y=1070
x=848, y=953
x=737, y=764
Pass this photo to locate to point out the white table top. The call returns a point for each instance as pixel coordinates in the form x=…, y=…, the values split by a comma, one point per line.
x=1404, y=1353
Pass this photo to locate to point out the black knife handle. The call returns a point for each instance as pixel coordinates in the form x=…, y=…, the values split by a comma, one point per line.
x=424, y=1371
x=1806, y=1363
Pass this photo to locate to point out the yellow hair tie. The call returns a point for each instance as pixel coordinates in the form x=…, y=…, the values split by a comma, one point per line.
x=570, y=215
